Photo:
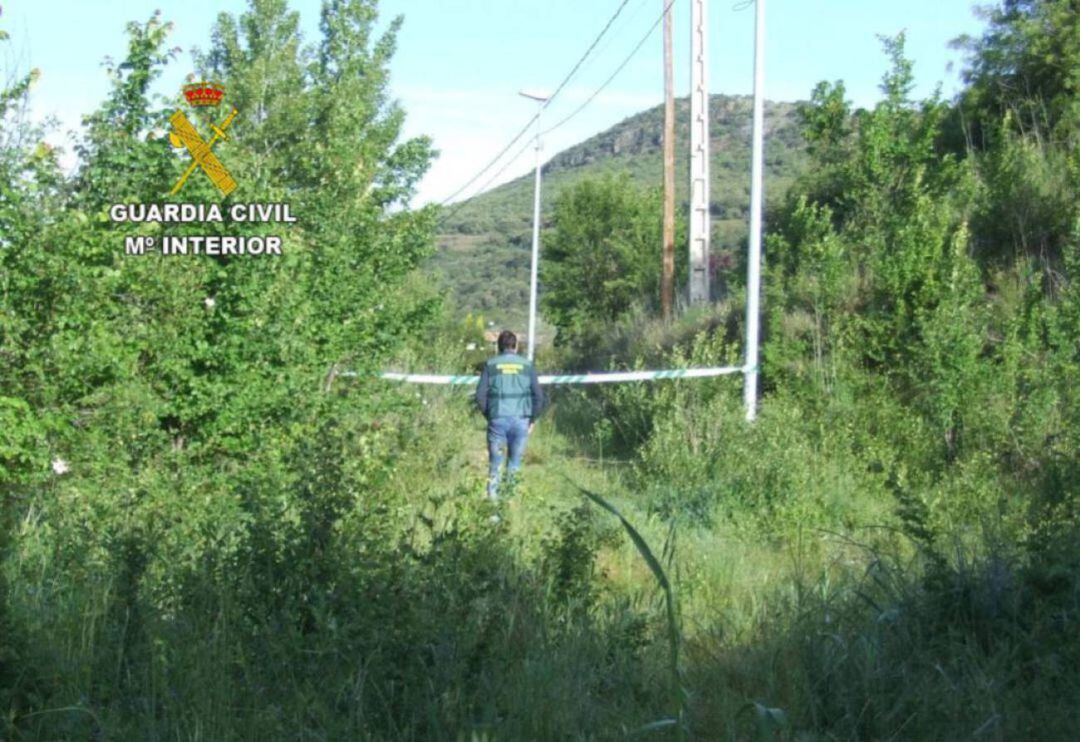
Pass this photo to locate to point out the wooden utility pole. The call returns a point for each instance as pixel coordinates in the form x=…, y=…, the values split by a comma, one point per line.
x=667, y=278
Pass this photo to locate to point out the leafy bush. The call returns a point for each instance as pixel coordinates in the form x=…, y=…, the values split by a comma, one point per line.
x=602, y=255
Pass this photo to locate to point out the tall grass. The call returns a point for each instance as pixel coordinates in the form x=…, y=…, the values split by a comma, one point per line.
x=438, y=625
x=673, y=629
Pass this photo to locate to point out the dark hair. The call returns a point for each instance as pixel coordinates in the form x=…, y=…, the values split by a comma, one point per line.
x=507, y=341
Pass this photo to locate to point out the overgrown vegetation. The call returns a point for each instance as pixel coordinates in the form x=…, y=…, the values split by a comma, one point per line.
x=916, y=446
x=208, y=532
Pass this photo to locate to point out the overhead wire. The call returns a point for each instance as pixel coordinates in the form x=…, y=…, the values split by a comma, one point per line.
x=620, y=68
x=590, y=99
x=506, y=166
x=585, y=56
x=546, y=103
x=494, y=160
x=626, y=24
x=606, y=45
x=622, y=65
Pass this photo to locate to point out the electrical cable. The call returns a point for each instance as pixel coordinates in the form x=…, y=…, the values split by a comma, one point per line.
x=586, y=54
x=614, y=74
x=626, y=24
x=575, y=112
x=546, y=103
x=460, y=205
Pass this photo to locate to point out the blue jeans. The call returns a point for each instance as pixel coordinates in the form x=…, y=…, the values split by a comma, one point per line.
x=511, y=432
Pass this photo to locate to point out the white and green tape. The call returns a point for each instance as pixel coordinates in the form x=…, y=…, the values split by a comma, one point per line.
x=606, y=377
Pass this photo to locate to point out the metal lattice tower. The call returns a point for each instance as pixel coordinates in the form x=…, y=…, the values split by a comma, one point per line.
x=700, y=225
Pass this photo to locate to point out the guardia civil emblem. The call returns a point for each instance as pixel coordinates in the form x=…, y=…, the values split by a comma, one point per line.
x=184, y=134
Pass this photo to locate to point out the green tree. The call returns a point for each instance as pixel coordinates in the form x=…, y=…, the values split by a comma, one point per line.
x=1020, y=118
x=1025, y=65
x=195, y=397
x=871, y=265
x=29, y=179
x=602, y=255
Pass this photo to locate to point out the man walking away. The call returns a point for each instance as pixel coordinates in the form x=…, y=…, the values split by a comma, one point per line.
x=509, y=395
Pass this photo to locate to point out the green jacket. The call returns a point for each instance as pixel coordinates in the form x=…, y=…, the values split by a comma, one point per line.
x=509, y=387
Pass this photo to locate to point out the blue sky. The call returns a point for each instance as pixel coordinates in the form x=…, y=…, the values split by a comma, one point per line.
x=460, y=63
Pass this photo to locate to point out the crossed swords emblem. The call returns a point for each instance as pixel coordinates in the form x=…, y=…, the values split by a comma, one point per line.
x=202, y=155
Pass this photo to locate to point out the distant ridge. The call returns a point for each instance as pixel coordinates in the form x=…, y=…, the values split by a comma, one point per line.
x=483, y=248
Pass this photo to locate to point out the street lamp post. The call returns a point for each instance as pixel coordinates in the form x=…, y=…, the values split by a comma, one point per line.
x=753, y=276
x=540, y=100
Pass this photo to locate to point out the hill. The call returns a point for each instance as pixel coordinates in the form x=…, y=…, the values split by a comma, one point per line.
x=483, y=255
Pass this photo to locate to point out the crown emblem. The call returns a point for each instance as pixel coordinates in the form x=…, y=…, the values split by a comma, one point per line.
x=204, y=93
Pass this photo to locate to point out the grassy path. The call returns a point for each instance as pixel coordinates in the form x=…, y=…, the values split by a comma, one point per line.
x=720, y=573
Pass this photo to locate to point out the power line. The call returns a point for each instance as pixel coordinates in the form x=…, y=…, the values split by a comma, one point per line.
x=626, y=24
x=528, y=123
x=586, y=54
x=575, y=112
x=622, y=65
x=504, y=168
x=495, y=159
x=453, y=212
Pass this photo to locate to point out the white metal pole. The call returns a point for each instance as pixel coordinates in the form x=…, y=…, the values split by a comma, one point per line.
x=754, y=260
x=535, y=243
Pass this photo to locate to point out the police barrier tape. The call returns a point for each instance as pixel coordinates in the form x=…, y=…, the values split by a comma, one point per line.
x=606, y=377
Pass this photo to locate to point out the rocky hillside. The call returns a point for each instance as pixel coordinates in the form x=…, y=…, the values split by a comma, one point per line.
x=483, y=256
